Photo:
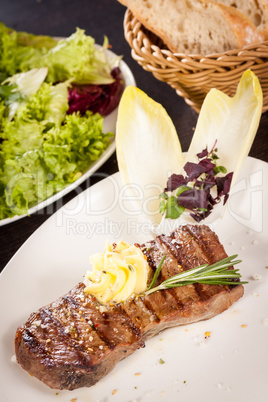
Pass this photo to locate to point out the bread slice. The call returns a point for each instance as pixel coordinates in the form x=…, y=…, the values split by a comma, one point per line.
x=195, y=27
x=256, y=10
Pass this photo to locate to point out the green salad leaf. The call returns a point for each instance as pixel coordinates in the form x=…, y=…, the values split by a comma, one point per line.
x=17, y=54
x=28, y=39
x=75, y=58
x=43, y=149
x=15, y=88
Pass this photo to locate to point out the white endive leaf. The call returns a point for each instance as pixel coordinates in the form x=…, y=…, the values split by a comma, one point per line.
x=148, y=149
x=232, y=121
x=29, y=82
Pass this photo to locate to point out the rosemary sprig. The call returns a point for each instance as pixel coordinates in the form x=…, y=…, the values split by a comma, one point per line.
x=215, y=274
x=157, y=272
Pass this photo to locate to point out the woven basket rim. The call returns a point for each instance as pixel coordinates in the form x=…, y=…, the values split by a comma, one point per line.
x=193, y=75
x=145, y=34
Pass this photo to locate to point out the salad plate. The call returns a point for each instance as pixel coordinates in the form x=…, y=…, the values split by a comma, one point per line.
x=108, y=126
x=224, y=358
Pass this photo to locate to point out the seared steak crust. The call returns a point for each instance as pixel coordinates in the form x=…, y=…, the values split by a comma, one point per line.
x=74, y=341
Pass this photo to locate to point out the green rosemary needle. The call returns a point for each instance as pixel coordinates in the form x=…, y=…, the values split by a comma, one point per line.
x=215, y=274
x=157, y=272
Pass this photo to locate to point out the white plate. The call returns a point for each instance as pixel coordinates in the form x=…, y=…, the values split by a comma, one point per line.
x=232, y=364
x=108, y=126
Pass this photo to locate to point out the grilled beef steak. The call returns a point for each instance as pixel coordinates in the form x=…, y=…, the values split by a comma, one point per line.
x=74, y=341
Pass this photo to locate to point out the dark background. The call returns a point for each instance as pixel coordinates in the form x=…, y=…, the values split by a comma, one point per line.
x=98, y=18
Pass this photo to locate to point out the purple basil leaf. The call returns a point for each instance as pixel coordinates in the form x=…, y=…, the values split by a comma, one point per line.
x=207, y=165
x=175, y=181
x=227, y=186
x=224, y=184
x=212, y=201
x=227, y=183
x=225, y=198
x=193, y=170
x=199, y=216
x=196, y=217
x=202, y=154
x=193, y=198
x=199, y=199
x=206, y=184
x=220, y=185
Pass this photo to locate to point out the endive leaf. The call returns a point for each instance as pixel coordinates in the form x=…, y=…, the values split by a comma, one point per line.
x=232, y=121
x=27, y=84
x=148, y=149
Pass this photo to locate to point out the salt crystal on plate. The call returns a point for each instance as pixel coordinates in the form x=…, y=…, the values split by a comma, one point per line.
x=255, y=277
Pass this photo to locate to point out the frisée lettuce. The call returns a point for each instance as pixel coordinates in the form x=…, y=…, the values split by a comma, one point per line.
x=43, y=149
x=74, y=58
x=44, y=145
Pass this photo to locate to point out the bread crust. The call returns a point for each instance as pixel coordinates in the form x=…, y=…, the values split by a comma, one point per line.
x=255, y=10
x=245, y=31
x=238, y=26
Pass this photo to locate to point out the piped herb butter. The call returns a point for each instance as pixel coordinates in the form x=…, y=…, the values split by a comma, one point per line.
x=119, y=273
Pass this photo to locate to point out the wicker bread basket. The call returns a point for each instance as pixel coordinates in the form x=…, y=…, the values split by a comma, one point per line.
x=192, y=76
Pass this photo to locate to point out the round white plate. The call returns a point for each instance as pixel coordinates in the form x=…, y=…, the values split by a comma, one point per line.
x=229, y=365
x=109, y=124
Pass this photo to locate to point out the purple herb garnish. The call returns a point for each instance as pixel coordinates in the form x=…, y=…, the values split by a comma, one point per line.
x=193, y=199
x=193, y=170
x=175, y=181
x=194, y=190
x=207, y=165
x=203, y=153
x=223, y=186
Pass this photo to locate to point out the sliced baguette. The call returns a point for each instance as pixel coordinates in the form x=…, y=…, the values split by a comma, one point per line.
x=195, y=27
x=256, y=10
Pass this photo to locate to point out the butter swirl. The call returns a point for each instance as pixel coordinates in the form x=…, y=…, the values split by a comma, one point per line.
x=118, y=273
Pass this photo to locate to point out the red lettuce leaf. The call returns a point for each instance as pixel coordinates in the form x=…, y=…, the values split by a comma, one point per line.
x=102, y=99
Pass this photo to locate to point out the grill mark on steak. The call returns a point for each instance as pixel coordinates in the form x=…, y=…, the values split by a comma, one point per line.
x=74, y=328
x=183, y=298
x=77, y=341
x=176, y=257
x=206, y=242
x=206, y=245
x=202, y=249
x=99, y=322
x=65, y=340
x=140, y=314
x=31, y=341
x=177, y=250
x=179, y=260
x=70, y=320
